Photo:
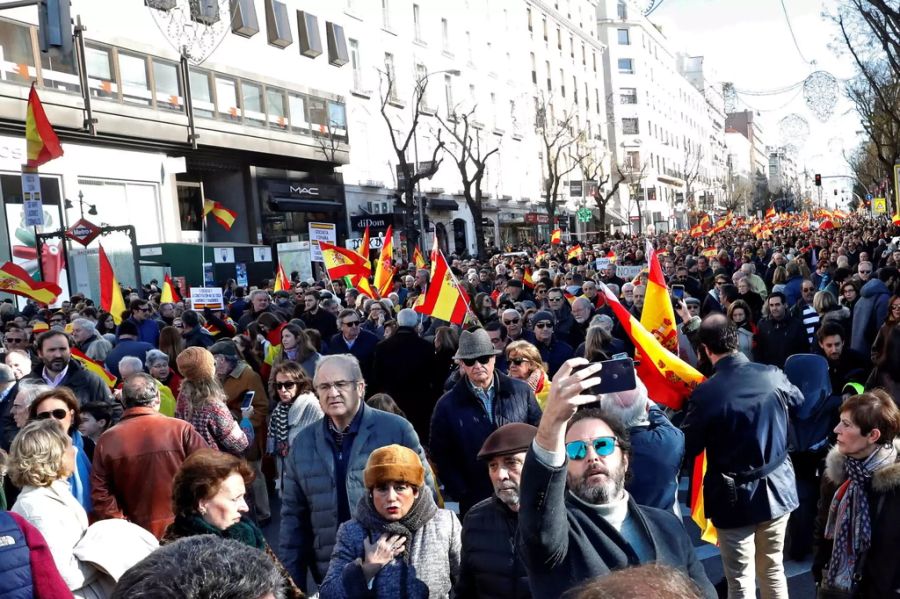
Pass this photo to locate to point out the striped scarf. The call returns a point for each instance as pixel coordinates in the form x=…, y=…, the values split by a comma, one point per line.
x=279, y=427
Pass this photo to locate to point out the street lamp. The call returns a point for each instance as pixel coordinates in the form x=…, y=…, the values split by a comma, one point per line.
x=92, y=208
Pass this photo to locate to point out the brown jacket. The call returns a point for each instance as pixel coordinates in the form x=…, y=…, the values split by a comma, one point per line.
x=241, y=380
x=134, y=464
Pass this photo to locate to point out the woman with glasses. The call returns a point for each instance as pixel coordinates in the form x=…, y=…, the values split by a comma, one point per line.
x=525, y=364
x=849, y=295
x=296, y=406
x=61, y=406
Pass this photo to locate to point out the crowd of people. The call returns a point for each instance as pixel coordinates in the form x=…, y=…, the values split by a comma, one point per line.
x=399, y=455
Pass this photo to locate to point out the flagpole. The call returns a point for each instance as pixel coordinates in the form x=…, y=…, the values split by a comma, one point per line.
x=203, y=242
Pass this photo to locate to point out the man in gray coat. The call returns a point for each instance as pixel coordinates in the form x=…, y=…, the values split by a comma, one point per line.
x=323, y=478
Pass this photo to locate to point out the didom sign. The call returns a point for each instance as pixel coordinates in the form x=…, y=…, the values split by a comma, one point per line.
x=83, y=231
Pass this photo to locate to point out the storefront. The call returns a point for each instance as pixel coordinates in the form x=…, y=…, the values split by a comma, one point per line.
x=289, y=205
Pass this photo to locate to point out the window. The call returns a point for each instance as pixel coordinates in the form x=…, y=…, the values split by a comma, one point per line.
x=630, y=126
x=308, y=32
x=17, y=53
x=559, y=38
x=318, y=116
x=624, y=37
x=572, y=47
x=278, y=27
x=385, y=14
x=448, y=93
x=530, y=26
x=337, y=44
x=549, y=84
x=57, y=69
x=533, y=69
x=357, y=65
x=417, y=24
x=622, y=9
x=445, y=35
x=391, y=74
x=243, y=20
x=421, y=76
x=626, y=66
x=597, y=100
x=101, y=78
x=546, y=36
x=168, y=85
x=337, y=120
x=227, y=103
x=562, y=83
x=135, y=78
x=633, y=161
x=583, y=55
x=201, y=94
x=276, y=108
x=594, y=60
x=297, y=113
x=575, y=90
x=587, y=99
x=252, y=104
x=512, y=115
x=628, y=95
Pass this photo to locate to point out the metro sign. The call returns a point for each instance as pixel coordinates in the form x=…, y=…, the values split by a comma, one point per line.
x=83, y=231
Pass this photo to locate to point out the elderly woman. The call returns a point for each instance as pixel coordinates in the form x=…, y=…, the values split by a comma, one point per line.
x=42, y=457
x=202, y=402
x=61, y=406
x=858, y=525
x=157, y=362
x=525, y=364
x=208, y=499
x=399, y=544
x=296, y=407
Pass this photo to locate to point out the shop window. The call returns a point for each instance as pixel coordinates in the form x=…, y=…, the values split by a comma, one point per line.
x=168, y=85
x=253, y=108
x=201, y=94
x=135, y=78
x=299, y=122
x=17, y=52
x=276, y=108
x=337, y=120
x=59, y=71
x=318, y=116
x=190, y=205
x=101, y=76
x=227, y=103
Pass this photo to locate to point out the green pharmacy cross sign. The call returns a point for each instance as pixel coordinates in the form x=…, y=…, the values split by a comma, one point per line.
x=583, y=215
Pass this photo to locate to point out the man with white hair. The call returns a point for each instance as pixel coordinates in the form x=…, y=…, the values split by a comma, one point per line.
x=582, y=311
x=515, y=326
x=657, y=447
x=88, y=341
x=756, y=282
x=628, y=295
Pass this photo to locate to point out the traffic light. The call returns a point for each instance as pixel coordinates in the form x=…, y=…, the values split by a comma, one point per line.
x=55, y=25
x=818, y=180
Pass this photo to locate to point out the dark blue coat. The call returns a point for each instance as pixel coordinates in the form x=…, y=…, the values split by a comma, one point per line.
x=657, y=451
x=126, y=347
x=740, y=416
x=459, y=426
x=15, y=561
x=869, y=314
x=363, y=348
x=554, y=354
x=148, y=330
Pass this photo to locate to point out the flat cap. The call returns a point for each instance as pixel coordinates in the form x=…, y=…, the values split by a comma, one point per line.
x=509, y=438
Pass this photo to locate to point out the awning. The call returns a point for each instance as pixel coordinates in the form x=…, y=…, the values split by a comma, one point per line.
x=442, y=204
x=292, y=205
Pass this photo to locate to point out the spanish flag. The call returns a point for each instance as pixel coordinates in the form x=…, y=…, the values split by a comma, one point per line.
x=95, y=367
x=556, y=237
x=657, y=316
x=445, y=299
x=710, y=252
x=540, y=256
x=223, y=215
x=42, y=144
x=364, y=248
x=896, y=219
x=341, y=262
x=111, y=298
x=575, y=252
x=384, y=270
x=418, y=257
x=282, y=282
x=15, y=280
x=168, y=295
x=698, y=512
x=770, y=213
x=362, y=284
x=528, y=280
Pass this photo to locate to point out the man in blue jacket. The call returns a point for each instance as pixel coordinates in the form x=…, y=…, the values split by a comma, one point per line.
x=142, y=318
x=740, y=417
x=351, y=339
x=576, y=520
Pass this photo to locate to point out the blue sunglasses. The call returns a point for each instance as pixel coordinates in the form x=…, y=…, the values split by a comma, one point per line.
x=603, y=446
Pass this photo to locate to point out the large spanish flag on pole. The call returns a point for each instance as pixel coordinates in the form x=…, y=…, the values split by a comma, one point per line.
x=657, y=316
x=445, y=299
x=223, y=215
x=168, y=294
x=16, y=280
x=364, y=248
x=341, y=262
x=556, y=237
x=384, y=270
x=111, y=298
x=282, y=282
x=42, y=144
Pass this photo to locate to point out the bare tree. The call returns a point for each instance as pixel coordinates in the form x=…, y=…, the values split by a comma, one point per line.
x=469, y=153
x=560, y=150
x=409, y=174
x=605, y=182
x=693, y=158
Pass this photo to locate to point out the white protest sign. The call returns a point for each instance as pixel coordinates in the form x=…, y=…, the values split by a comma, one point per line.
x=207, y=297
x=375, y=243
x=629, y=272
x=320, y=232
x=602, y=263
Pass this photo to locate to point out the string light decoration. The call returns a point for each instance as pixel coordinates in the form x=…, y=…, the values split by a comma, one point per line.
x=820, y=90
x=194, y=28
x=793, y=130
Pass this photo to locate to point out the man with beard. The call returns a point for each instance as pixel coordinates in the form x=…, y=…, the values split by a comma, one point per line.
x=566, y=538
x=844, y=364
x=582, y=312
x=490, y=567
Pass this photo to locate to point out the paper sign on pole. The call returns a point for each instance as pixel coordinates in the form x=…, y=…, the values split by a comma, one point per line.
x=33, y=207
x=879, y=206
x=207, y=297
x=320, y=232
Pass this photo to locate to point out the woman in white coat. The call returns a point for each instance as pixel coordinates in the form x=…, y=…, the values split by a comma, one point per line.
x=296, y=406
x=41, y=459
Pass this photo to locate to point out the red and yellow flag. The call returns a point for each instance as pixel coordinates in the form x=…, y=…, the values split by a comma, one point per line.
x=528, y=279
x=657, y=315
x=384, y=270
x=15, y=280
x=826, y=225
x=445, y=299
x=95, y=367
x=556, y=237
x=418, y=257
x=698, y=511
x=111, y=299
x=223, y=215
x=710, y=252
x=575, y=252
x=42, y=144
x=364, y=248
x=540, y=256
x=362, y=284
x=168, y=294
x=282, y=282
x=770, y=213
x=896, y=219
x=341, y=262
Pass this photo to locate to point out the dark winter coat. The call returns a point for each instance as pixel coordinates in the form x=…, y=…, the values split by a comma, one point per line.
x=491, y=568
x=86, y=385
x=657, y=450
x=363, y=348
x=459, y=427
x=554, y=354
x=740, y=416
x=778, y=339
x=869, y=314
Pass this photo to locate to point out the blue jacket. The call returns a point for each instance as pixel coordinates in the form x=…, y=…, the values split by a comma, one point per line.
x=869, y=314
x=657, y=450
x=148, y=330
x=126, y=347
x=740, y=416
x=554, y=354
x=363, y=348
x=792, y=290
x=15, y=561
x=459, y=426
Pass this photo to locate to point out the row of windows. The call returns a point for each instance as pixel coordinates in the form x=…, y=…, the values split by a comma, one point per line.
x=120, y=75
x=559, y=41
x=562, y=85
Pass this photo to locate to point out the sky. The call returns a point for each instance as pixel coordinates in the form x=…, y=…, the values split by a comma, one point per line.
x=748, y=43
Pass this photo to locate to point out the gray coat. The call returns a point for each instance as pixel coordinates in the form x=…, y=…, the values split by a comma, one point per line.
x=434, y=555
x=309, y=514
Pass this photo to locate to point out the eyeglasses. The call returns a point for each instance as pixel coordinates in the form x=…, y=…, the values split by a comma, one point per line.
x=287, y=385
x=603, y=446
x=807, y=290
x=341, y=386
x=56, y=321
x=58, y=414
x=543, y=325
x=554, y=299
x=511, y=321
x=517, y=361
x=14, y=340
x=480, y=359
x=352, y=323
x=720, y=282
x=143, y=309
x=865, y=272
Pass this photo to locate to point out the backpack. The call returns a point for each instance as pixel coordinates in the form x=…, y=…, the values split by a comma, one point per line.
x=813, y=422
